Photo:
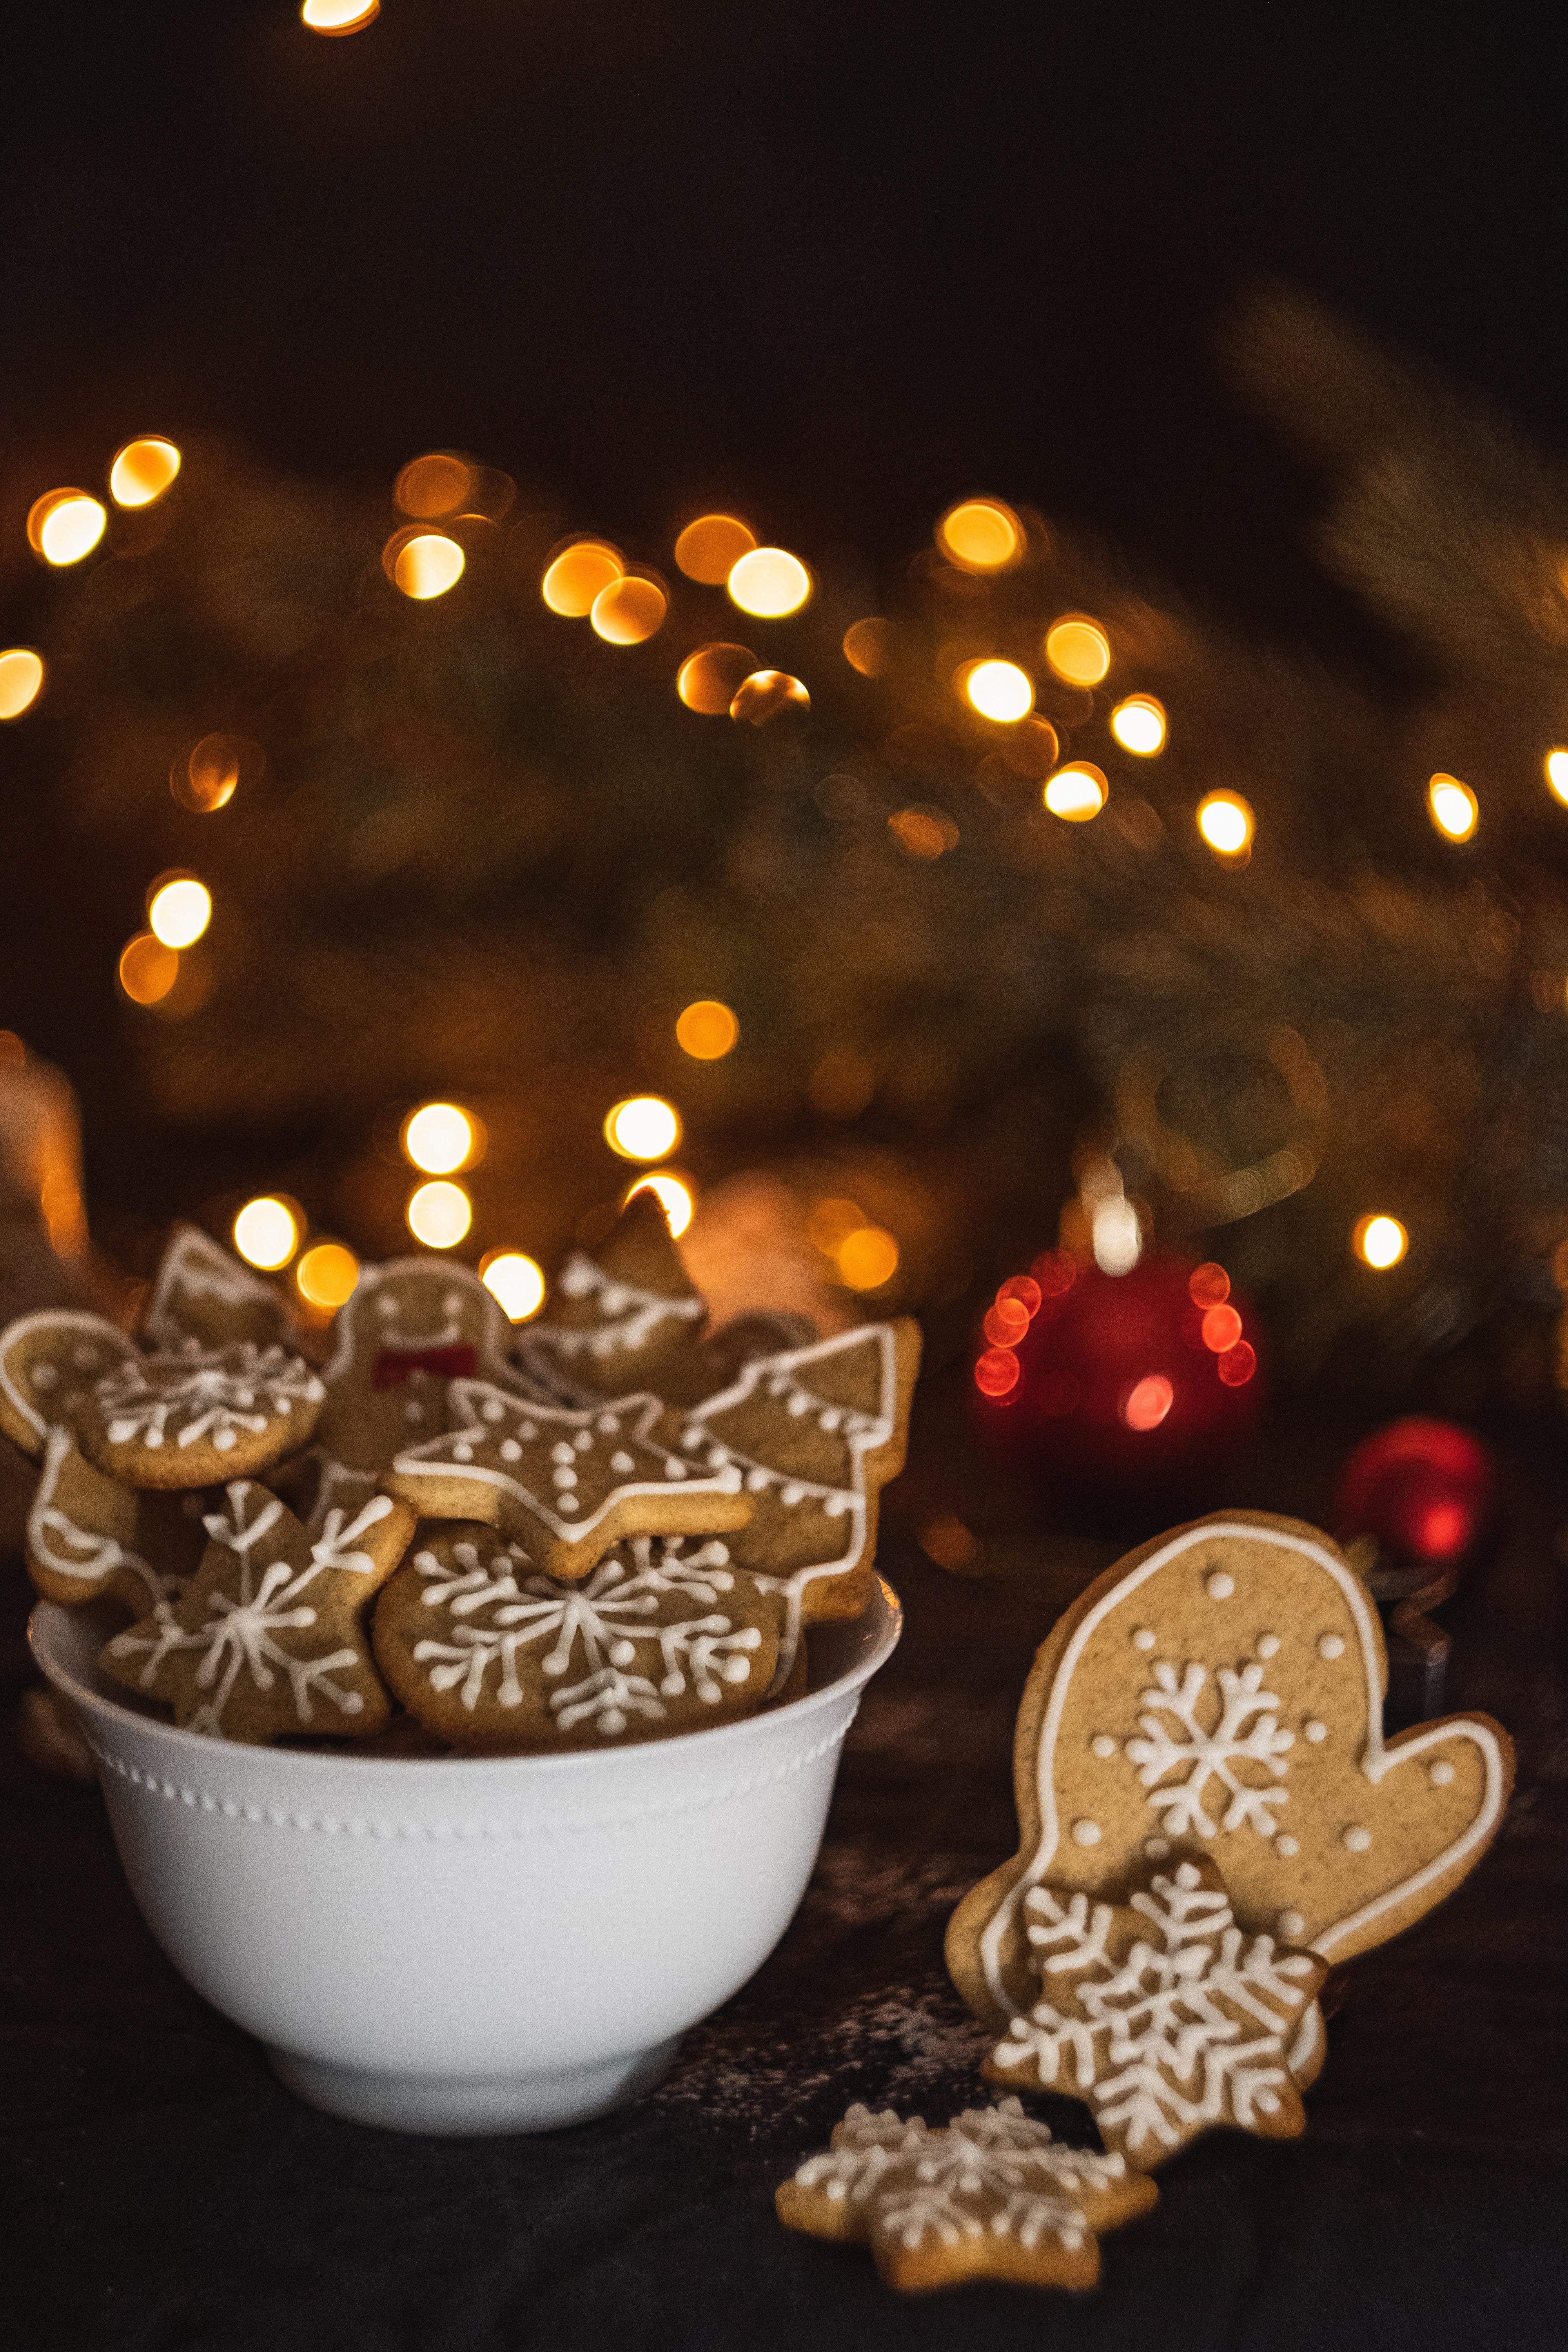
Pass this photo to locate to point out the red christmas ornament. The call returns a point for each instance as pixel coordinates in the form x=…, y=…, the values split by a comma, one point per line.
x=1424, y=1488
x=1119, y=1376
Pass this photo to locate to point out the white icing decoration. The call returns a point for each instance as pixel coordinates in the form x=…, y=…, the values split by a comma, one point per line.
x=1440, y=1773
x=1144, y=1638
x=1156, y=1849
x=195, y=1266
x=1289, y=1924
x=213, y=1395
x=57, y=1543
x=1286, y=1845
x=1316, y=1732
x=1247, y=1731
x=629, y=1316
x=1219, y=1587
x=1269, y=1645
x=1086, y=1833
x=1102, y=1745
x=1331, y=1645
x=45, y=1376
x=1356, y=1839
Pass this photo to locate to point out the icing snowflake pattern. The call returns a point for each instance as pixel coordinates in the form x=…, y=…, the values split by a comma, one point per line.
x=1165, y=2038
x=212, y=1395
x=618, y=1621
x=1247, y=1731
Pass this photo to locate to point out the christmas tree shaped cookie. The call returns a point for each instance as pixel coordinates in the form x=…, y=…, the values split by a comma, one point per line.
x=621, y=1317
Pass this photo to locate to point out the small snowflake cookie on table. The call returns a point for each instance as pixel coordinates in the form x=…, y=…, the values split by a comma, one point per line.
x=994, y=2195
x=660, y=1637
x=1217, y=1697
x=271, y=1635
x=193, y=1418
x=1161, y=2015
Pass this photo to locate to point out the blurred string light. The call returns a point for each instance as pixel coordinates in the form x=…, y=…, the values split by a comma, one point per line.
x=769, y=694
x=643, y=1127
x=709, y=549
x=1139, y=724
x=440, y=1139
x=981, y=535
x=65, y=525
x=1557, y=774
x=1380, y=1242
x=1078, y=649
x=422, y=564
x=674, y=1194
x=629, y=609
x=179, y=910
x=21, y=680
x=924, y=831
x=1225, y=822
x=515, y=1280
x=433, y=486
x=707, y=1030
x=999, y=690
x=577, y=574
x=326, y=1275
x=868, y=646
x=143, y=471
x=1147, y=1401
x=440, y=1213
x=148, y=969
x=210, y=774
x=266, y=1233
x=1452, y=806
x=769, y=582
x=1076, y=793
x=709, y=680
x=335, y=17
x=867, y=1258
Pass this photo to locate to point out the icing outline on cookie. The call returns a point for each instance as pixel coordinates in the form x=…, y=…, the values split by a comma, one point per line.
x=74, y=1319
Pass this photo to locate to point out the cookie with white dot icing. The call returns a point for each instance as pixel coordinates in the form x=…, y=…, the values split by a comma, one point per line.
x=202, y=1296
x=620, y=1317
x=186, y=1420
x=1217, y=1695
x=49, y=1364
x=565, y=1484
x=660, y=1637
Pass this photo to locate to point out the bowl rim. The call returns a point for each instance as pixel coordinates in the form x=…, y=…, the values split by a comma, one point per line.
x=706, y=1738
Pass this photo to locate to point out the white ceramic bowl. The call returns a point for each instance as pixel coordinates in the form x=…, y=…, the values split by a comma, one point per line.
x=470, y=1945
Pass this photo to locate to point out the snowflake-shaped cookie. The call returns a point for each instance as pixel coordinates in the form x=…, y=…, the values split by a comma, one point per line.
x=658, y=1638
x=1164, y=2039
x=565, y=1485
x=270, y=1636
x=993, y=2196
x=190, y=1419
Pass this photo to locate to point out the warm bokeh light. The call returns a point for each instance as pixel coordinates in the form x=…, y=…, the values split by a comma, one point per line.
x=831, y=1220
x=21, y=680
x=514, y=1279
x=997, y=1372
x=427, y=565
x=709, y=549
x=868, y=646
x=707, y=1030
x=335, y=17
x=148, y=969
x=439, y=1214
x=1557, y=774
x=768, y=582
x=1006, y=1322
x=1208, y=1285
x=1076, y=793
x=579, y=572
x=434, y=486
x=709, y=680
x=867, y=1258
x=1238, y=1364
x=924, y=831
x=1221, y=1329
x=981, y=535
x=326, y=1275
x=1146, y=1404
x=1023, y=1291
x=643, y=1126
x=1380, y=1242
x=208, y=777
x=1078, y=649
x=440, y=1139
x=179, y=910
x=65, y=525
x=1225, y=823
x=266, y=1233
x=674, y=1196
x=1139, y=724
x=1452, y=806
x=769, y=694
x=1031, y=748
x=629, y=611
x=143, y=471
x=999, y=690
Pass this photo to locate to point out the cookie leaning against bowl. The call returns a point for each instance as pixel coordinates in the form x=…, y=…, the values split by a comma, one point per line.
x=199, y=1417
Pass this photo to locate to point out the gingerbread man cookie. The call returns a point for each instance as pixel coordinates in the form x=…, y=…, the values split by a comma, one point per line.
x=993, y=2196
x=620, y=1317
x=815, y=1433
x=90, y=1535
x=49, y=1364
x=270, y=1637
x=1218, y=1696
x=188, y=1420
x=490, y=1654
x=1161, y=2014
x=203, y=1297
x=565, y=1485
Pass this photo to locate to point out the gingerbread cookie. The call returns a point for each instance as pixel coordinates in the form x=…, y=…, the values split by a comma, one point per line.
x=564, y=1486
x=49, y=1363
x=203, y=1297
x=189, y=1419
x=1161, y=2014
x=621, y=1317
x=89, y=1535
x=1219, y=1695
x=993, y=2196
x=270, y=1637
x=817, y=1433
x=658, y=1638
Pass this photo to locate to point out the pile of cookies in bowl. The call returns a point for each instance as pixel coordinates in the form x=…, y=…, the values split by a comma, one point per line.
x=424, y=1531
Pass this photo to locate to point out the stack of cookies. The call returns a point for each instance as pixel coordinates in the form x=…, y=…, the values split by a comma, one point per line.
x=435, y=1532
